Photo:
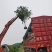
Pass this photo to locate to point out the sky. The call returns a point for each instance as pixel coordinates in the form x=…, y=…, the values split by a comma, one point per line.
x=16, y=31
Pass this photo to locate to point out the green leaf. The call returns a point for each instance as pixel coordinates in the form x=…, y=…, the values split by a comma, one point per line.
x=23, y=13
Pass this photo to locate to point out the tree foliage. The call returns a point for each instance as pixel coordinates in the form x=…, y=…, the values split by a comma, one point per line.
x=23, y=13
x=16, y=47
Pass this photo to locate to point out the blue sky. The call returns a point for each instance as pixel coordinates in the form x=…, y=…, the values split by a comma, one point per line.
x=16, y=31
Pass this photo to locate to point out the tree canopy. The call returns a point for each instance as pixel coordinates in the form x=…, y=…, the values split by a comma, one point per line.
x=23, y=13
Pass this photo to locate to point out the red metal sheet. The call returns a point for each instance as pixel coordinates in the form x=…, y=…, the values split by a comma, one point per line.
x=42, y=25
x=37, y=29
x=48, y=19
x=49, y=37
x=43, y=33
x=49, y=24
x=42, y=29
x=35, y=25
x=45, y=38
x=35, y=20
x=50, y=28
x=51, y=43
x=39, y=39
x=1, y=49
x=41, y=20
x=38, y=34
x=51, y=32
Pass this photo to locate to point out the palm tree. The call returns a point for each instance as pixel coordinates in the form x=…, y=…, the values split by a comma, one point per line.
x=23, y=13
